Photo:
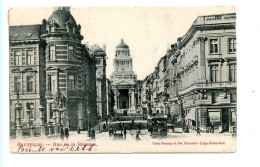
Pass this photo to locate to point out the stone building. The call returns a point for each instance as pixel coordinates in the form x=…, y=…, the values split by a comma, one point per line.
x=197, y=76
x=50, y=66
x=124, y=81
x=100, y=58
x=26, y=72
x=110, y=96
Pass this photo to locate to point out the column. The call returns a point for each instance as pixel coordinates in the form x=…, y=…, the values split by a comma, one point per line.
x=48, y=112
x=202, y=60
x=129, y=98
x=133, y=99
x=80, y=115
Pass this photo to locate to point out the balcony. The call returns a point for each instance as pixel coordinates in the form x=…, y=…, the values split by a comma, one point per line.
x=212, y=85
x=73, y=94
x=50, y=94
x=76, y=94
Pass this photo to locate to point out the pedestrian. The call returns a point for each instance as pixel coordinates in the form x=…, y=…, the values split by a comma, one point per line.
x=61, y=134
x=123, y=125
x=212, y=128
x=78, y=130
x=198, y=130
x=137, y=137
x=104, y=127
x=110, y=132
x=67, y=132
x=99, y=128
x=120, y=127
x=93, y=135
x=139, y=128
x=125, y=133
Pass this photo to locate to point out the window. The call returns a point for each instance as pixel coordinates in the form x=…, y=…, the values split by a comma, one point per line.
x=98, y=61
x=52, y=83
x=214, y=97
x=232, y=72
x=29, y=83
x=17, y=84
x=71, y=82
x=17, y=58
x=233, y=96
x=213, y=45
x=29, y=57
x=30, y=106
x=52, y=53
x=71, y=53
x=232, y=45
x=214, y=73
x=51, y=111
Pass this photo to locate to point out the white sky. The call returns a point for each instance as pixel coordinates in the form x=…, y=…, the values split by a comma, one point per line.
x=147, y=30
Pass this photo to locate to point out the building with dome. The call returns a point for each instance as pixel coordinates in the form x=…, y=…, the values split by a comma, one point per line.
x=124, y=81
x=49, y=66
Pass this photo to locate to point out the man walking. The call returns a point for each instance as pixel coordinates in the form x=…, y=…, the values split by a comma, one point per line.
x=67, y=132
x=198, y=130
x=125, y=133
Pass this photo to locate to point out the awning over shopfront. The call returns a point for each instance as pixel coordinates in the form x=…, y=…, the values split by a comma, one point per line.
x=191, y=114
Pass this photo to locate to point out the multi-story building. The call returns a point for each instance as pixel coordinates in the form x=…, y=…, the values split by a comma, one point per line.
x=26, y=69
x=197, y=76
x=110, y=100
x=50, y=66
x=124, y=81
x=100, y=57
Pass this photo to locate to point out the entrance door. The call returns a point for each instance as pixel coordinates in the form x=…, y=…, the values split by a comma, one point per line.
x=124, y=104
x=225, y=120
x=125, y=113
x=73, y=115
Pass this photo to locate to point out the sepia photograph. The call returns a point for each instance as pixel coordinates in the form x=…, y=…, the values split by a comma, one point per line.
x=122, y=79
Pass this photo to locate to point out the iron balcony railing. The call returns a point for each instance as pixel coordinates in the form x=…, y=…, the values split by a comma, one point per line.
x=211, y=85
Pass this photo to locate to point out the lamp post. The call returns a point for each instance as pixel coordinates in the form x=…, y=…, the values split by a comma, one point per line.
x=18, y=108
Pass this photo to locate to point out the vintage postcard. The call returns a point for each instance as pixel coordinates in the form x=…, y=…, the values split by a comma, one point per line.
x=122, y=79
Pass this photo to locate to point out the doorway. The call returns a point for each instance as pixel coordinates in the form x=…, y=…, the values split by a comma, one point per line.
x=225, y=120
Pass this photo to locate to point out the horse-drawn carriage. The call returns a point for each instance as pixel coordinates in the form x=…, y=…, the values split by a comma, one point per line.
x=157, y=125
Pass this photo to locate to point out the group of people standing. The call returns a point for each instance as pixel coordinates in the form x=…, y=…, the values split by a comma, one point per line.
x=66, y=133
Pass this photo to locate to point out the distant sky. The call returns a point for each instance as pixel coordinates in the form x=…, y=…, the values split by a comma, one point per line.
x=148, y=31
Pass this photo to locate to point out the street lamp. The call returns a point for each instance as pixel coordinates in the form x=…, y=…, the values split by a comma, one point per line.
x=18, y=107
x=58, y=107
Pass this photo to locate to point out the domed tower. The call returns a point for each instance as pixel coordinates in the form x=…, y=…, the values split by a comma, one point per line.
x=124, y=80
x=66, y=73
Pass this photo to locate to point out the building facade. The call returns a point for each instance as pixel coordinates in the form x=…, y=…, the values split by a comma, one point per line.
x=197, y=76
x=110, y=96
x=100, y=58
x=50, y=66
x=26, y=72
x=124, y=81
